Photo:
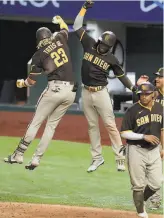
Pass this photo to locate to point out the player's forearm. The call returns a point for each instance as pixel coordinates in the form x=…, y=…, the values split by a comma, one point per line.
x=127, y=83
x=118, y=71
x=131, y=135
x=21, y=83
x=63, y=25
x=78, y=23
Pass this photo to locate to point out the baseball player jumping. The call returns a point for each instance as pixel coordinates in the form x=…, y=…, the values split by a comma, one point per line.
x=142, y=127
x=97, y=62
x=52, y=58
x=159, y=97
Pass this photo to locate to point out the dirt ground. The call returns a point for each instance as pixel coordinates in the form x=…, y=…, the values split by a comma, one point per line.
x=23, y=210
x=15, y=124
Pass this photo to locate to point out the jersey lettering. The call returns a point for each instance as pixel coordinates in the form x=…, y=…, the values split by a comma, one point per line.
x=96, y=60
x=52, y=46
x=160, y=101
x=145, y=119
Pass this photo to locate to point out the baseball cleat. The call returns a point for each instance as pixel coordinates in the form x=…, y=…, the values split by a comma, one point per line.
x=95, y=164
x=155, y=205
x=121, y=165
x=14, y=158
x=33, y=163
x=143, y=215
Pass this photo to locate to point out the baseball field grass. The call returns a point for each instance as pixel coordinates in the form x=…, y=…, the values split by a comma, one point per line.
x=61, y=178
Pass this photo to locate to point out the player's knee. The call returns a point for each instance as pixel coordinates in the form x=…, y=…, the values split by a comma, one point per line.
x=138, y=187
x=93, y=126
x=155, y=186
x=110, y=126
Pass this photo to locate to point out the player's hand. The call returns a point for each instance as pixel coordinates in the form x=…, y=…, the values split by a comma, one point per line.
x=142, y=79
x=88, y=4
x=20, y=83
x=57, y=20
x=152, y=139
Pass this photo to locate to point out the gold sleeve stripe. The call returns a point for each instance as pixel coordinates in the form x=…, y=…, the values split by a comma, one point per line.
x=126, y=131
x=82, y=35
x=120, y=75
x=162, y=129
x=35, y=73
x=82, y=12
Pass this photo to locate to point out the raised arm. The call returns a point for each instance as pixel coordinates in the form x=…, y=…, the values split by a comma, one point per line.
x=63, y=26
x=84, y=38
x=78, y=23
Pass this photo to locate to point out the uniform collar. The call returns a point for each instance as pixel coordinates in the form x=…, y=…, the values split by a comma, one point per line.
x=145, y=106
x=161, y=92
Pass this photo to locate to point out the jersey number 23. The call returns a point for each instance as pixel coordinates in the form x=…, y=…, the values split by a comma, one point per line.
x=59, y=57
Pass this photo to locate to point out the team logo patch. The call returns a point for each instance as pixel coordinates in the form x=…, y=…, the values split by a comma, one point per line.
x=107, y=37
x=145, y=87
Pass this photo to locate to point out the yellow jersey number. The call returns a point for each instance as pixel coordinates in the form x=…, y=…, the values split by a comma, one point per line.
x=59, y=57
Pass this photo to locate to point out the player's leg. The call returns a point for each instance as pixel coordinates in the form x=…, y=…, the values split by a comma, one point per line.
x=52, y=122
x=156, y=199
x=136, y=160
x=154, y=169
x=93, y=130
x=103, y=105
x=42, y=112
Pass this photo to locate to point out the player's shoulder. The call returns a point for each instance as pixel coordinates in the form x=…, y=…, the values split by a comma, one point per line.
x=158, y=106
x=159, y=94
x=112, y=59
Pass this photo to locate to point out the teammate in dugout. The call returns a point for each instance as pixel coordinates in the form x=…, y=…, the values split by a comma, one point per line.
x=97, y=62
x=155, y=200
x=53, y=59
x=142, y=127
x=159, y=83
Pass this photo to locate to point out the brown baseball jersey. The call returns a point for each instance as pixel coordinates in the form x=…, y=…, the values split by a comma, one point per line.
x=142, y=120
x=95, y=66
x=53, y=59
x=160, y=98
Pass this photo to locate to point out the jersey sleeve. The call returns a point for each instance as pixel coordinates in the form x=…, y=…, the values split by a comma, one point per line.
x=36, y=68
x=128, y=120
x=62, y=35
x=84, y=38
x=116, y=67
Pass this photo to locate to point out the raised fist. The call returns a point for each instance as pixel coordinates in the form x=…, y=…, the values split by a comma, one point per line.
x=88, y=4
x=57, y=19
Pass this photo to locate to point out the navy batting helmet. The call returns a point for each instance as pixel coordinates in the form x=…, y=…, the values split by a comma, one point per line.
x=43, y=33
x=145, y=88
x=108, y=38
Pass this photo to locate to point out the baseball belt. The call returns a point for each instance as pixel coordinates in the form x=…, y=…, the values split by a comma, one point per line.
x=94, y=88
x=62, y=82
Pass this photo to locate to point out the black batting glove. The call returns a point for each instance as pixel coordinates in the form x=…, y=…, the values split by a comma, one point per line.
x=134, y=89
x=88, y=4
